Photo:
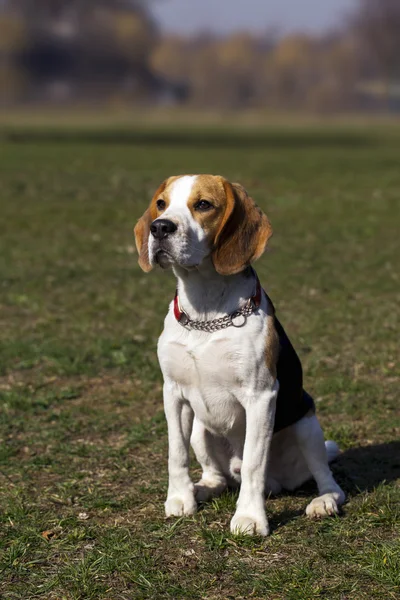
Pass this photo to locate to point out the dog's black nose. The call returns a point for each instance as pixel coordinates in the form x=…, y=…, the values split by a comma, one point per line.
x=161, y=228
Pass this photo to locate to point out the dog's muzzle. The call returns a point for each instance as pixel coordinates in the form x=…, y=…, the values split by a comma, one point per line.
x=162, y=228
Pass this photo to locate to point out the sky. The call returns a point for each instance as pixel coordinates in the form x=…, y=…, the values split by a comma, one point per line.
x=224, y=16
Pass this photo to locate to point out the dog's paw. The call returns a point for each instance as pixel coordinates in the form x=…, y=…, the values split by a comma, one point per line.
x=324, y=506
x=179, y=506
x=205, y=489
x=249, y=525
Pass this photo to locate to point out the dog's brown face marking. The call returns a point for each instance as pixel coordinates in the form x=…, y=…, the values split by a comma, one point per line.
x=161, y=199
x=208, y=204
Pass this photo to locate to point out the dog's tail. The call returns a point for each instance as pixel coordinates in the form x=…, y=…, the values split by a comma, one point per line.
x=332, y=450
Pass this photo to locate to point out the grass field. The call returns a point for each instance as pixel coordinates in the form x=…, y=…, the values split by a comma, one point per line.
x=83, y=455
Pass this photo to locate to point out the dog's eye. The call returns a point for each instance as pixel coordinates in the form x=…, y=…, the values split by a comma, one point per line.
x=160, y=204
x=203, y=205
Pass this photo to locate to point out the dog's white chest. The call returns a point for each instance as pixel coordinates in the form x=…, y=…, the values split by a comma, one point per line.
x=204, y=378
x=210, y=372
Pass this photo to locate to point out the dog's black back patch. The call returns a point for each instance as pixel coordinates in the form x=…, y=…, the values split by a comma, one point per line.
x=293, y=401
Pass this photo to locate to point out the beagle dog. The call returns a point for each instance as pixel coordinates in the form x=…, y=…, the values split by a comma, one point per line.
x=233, y=384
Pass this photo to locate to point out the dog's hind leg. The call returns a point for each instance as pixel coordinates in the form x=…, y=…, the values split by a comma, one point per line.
x=316, y=454
x=213, y=456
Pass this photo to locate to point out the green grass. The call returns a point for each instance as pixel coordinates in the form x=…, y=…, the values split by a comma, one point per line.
x=83, y=452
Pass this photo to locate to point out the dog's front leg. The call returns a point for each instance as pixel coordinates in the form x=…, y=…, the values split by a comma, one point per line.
x=250, y=517
x=180, y=499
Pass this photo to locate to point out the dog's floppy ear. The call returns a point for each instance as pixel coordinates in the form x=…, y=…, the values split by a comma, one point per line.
x=243, y=232
x=142, y=231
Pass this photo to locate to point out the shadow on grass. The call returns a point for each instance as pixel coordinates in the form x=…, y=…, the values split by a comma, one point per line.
x=363, y=469
x=360, y=470
x=357, y=470
x=280, y=519
x=196, y=137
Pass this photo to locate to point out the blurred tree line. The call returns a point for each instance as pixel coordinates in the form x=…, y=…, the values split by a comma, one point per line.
x=112, y=51
x=72, y=50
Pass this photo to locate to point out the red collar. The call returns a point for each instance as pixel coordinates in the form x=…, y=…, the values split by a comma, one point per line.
x=255, y=301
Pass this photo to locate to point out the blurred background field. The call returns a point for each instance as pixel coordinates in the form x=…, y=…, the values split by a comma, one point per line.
x=321, y=58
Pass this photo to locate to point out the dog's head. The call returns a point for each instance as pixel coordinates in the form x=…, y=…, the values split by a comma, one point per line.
x=192, y=217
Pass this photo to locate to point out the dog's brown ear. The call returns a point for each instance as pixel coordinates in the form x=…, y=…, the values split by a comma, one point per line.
x=142, y=231
x=243, y=232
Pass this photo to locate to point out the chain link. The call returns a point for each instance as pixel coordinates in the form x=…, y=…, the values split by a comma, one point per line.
x=222, y=322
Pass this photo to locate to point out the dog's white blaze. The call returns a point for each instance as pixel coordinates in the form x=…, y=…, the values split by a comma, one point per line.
x=180, y=194
x=188, y=243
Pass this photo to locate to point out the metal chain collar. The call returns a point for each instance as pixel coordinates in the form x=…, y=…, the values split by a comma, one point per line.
x=222, y=322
